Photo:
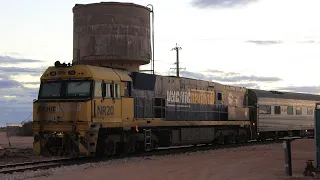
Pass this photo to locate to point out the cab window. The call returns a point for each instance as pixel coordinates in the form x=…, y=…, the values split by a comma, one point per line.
x=127, y=89
x=81, y=88
x=50, y=89
x=65, y=89
x=97, y=89
x=117, y=90
x=108, y=90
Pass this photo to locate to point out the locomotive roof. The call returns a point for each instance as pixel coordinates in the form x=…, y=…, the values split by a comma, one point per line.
x=85, y=71
x=285, y=95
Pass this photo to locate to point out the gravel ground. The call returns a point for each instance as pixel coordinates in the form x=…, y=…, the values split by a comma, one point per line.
x=261, y=162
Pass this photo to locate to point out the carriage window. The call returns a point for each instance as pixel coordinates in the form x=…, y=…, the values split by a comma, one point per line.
x=264, y=109
x=219, y=96
x=298, y=111
x=290, y=110
x=310, y=111
x=277, y=110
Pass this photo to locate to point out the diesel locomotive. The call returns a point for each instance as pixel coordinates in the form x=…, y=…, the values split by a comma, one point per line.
x=102, y=105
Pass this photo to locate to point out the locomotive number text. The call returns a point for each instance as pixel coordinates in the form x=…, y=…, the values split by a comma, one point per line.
x=105, y=110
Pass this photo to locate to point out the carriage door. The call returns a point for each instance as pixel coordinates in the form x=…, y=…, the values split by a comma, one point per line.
x=219, y=107
x=317, y=132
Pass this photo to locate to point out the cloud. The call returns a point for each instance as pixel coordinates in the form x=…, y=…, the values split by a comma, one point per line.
x=33, y=83
x=194, y=75
x=247, y=85
x=221, y=3
x=259, y=42
x=309, y=42
x=228, y=77
x=213, y=71
x=17, y=70
x=12, y=60
x=301, y=89
x=16, y=103
x=274, y=42
x=247, y=81
x=7, y=82
x=15, y=98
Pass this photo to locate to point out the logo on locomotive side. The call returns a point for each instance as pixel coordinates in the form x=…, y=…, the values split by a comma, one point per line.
x=189, y=97
x=59, y=108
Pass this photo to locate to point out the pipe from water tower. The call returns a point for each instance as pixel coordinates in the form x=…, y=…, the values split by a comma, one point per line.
x=152, y=65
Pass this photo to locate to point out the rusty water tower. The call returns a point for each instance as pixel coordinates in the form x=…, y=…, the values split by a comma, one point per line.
x=112, y=34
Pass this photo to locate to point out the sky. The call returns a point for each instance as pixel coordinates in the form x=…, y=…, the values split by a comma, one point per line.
x=263, y=44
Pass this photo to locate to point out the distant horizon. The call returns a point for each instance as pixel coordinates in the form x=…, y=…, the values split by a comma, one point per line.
x=6, y=125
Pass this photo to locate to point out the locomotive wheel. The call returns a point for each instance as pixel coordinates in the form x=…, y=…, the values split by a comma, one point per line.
x=242, y=138
x=262, y=139
x=221, y=139
x=110, y=147
x=155, y=145
x=140, y=146
x=100, y=147
x=231, y=138
x=130, y=146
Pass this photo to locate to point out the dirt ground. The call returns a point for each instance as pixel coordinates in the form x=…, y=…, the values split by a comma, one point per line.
x=15, y=141
x=264, y=162
x=19, y=151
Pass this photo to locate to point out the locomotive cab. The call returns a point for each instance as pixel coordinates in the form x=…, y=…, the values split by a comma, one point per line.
x=73, y=98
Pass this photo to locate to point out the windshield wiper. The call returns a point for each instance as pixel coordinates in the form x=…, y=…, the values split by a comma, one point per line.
x=78, y=84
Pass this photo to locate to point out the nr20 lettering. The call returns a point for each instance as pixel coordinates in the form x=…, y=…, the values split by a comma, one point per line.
x=105, y=110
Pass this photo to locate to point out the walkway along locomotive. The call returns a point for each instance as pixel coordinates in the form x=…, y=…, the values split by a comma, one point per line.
x=101, y=104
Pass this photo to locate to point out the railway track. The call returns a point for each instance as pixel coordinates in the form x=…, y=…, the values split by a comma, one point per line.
x=47, y=164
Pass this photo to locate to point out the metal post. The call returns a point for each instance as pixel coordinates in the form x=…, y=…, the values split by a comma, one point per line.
x=8, y=136
x=317, y=134
x=287, y=156
x=177, y=48
x=178, y=70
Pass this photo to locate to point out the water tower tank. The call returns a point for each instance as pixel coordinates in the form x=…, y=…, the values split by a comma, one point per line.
x=111, y=34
